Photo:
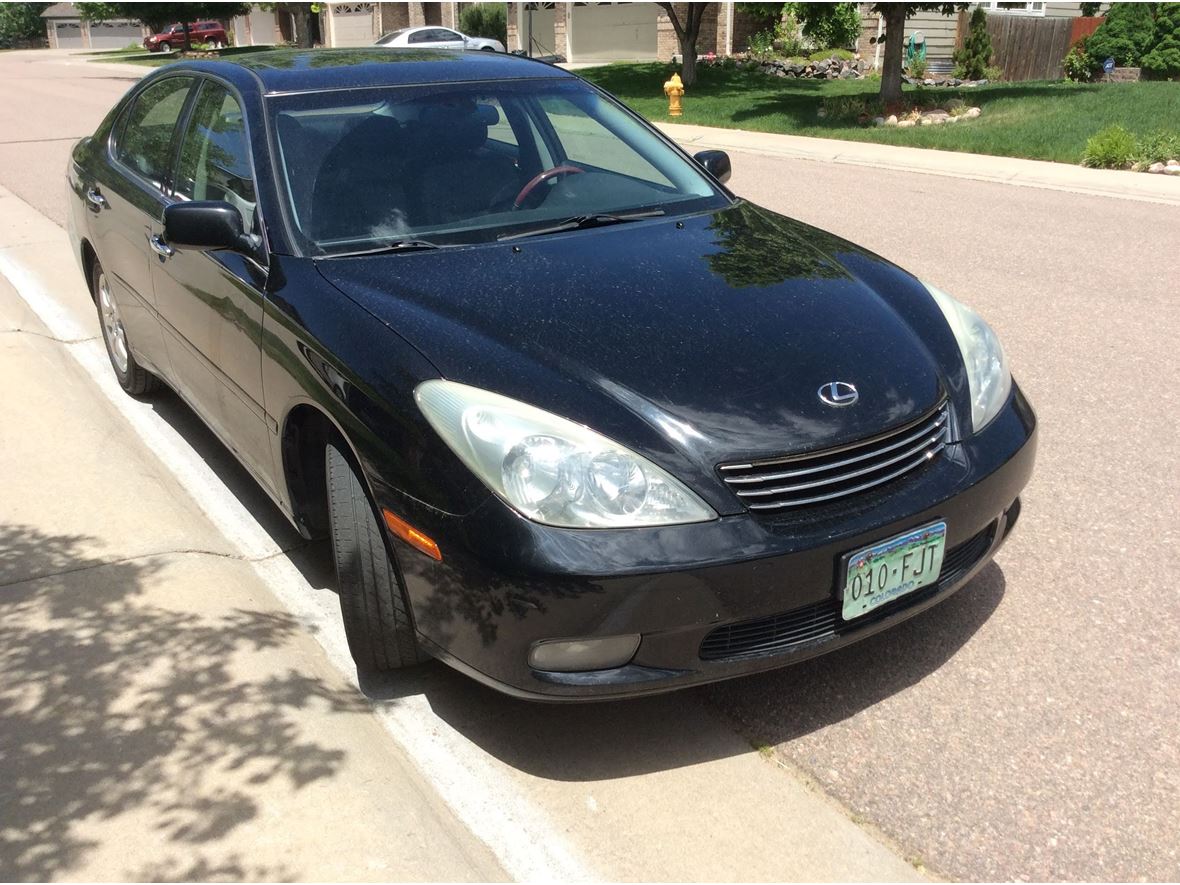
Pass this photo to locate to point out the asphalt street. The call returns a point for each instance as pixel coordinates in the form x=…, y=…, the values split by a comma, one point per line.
x=1027, y=728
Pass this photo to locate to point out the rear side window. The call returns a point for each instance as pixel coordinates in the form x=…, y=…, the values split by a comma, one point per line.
x=145, y=139
x=215, y=156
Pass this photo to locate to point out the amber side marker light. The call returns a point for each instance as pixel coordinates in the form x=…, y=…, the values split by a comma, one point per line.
x=411, y=535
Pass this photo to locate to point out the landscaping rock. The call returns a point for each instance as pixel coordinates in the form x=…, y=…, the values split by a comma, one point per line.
x=891, y=120
x=1156, y=168
x=972, y=113
x=878, y=121
x=903, y=124
x=1172, y=170
x=1172, y=163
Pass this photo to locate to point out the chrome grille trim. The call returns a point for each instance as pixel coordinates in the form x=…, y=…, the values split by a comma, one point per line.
x=873, y=462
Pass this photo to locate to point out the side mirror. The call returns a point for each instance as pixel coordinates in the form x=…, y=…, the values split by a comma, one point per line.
x=206, y=226
x=716, y=163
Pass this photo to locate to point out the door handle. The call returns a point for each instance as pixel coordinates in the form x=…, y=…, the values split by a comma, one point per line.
x=96, y=200
x=160, y=247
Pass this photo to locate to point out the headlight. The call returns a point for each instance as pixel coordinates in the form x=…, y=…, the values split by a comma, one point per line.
x=988, y=375
x=553, y=470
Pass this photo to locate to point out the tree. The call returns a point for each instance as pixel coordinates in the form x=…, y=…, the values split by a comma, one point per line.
x=894, y=16
x=158, y=16
x=301, y=18
x=1124, y=35
x=687, y=32
x=976, y=53
x=1163, y=60
x=21, y=24
x=829, y=25
x=485, y=20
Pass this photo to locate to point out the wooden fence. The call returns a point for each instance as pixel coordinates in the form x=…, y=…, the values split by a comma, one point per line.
x=1024, y=47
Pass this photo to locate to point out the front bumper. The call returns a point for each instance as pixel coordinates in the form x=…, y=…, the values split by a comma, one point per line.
x=505, y=583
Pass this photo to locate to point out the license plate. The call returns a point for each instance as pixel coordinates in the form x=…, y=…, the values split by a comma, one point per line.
x=892, y=568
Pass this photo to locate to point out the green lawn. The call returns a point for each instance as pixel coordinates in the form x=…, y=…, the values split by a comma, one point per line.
x=1040, y=120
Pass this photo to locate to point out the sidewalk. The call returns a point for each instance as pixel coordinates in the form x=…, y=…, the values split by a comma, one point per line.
x=978, y=167
x=161, y=716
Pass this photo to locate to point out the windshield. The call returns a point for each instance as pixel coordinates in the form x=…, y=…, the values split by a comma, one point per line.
x=465, y=163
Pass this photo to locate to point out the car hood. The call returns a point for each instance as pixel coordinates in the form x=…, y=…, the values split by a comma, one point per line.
x=716, y=330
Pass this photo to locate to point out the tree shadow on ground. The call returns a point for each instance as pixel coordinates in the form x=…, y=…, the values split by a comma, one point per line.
x=111, y=705
x=589, y=742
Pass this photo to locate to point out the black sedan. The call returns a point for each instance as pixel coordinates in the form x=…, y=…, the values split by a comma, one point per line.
x=577, y=419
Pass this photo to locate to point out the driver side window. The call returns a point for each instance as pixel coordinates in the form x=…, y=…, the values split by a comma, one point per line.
x=215, y=155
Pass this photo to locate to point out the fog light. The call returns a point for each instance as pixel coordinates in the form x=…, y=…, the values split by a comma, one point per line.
x=572, y=655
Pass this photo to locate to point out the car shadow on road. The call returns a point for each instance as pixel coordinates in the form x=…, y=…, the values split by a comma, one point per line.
x=596, y=741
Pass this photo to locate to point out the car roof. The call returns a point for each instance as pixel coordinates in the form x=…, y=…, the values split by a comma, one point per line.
x=306, y=70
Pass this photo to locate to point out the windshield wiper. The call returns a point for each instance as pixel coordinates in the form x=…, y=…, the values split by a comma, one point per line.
x=578, y=222
x=398, y=246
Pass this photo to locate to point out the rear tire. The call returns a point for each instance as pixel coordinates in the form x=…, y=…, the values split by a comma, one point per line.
x=132, y=377
x=372, y=595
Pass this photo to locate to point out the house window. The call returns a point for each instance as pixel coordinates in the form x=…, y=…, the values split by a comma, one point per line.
x=1014, y=8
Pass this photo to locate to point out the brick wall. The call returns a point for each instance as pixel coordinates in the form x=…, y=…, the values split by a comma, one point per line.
x=744, y=27
x=710, y=39
x=394, y=17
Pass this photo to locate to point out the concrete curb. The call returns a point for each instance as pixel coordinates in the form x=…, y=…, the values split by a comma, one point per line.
x=977, y=167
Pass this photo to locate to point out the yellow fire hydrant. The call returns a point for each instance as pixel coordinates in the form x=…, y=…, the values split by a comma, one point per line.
x=674, y=89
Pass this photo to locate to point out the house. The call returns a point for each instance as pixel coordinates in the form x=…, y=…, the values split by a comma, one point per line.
x=65, y=29
x=605, y=32
x=942, y=33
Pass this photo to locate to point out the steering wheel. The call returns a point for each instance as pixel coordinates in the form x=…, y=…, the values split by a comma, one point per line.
x=542, y=177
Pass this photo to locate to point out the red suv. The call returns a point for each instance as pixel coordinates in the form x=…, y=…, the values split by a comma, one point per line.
x=172, y=37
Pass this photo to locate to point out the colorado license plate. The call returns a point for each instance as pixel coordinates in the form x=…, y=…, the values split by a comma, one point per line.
x=891, y=568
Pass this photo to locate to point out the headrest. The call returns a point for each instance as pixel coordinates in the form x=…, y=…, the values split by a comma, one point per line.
x=454, y=125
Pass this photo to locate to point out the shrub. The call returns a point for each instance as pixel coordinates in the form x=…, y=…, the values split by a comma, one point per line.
x=1158, y=147
x=787, y=38
x=1124, y=35
x=1163, y=60
x=1078, y=65
x=917, y=68
x=850, y=107
x=976, y=51
x=762, y=45
x=993, y=73
x=837, y=24
x=485, y=20
x=1112, y=148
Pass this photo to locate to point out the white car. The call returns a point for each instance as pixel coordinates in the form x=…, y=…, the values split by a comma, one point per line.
x=439, y=38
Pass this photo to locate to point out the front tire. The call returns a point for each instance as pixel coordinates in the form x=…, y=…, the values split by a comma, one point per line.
x=132, y=377
x=372, y=595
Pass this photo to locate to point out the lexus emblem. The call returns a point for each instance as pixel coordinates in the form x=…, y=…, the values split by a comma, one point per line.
x=838, y=393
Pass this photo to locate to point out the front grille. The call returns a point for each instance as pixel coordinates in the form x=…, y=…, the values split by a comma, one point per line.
x=822, y=621
x=814, y=477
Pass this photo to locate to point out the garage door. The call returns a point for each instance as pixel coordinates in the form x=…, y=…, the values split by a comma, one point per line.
x=114, y=35
x=612, y=31
x=69, y=35
x=352, y=24
x=542, y=16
